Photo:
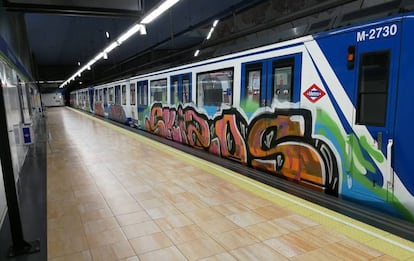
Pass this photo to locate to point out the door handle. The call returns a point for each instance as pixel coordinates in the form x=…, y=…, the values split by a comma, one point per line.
x=390, y=172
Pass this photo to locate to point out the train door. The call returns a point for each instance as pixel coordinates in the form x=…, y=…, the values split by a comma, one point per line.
x=142, y=101
x=272, y=86
x=91, y=99
x=181, y=89
x=376, y=76
x=133, y=103
x=270, y=82
x=105, y=102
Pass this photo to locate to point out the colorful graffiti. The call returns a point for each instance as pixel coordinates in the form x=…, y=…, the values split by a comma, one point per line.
x=99, y=109
x=278, y=142
x=117, y=113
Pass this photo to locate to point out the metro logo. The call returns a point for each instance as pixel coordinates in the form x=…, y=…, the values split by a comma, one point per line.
x=314, y=93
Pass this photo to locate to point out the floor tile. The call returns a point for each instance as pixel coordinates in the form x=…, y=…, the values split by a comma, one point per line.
x=173, y=221
x=217, y=225
x=106, y=237
x=257, y=252
x=80, y=256
x=200, y=248
x=132, y=218
x=245, y=219
x=170, y=254
x=203, y=215
x=100, y=225
x=150, y=242
x=235, y=239
x=185, y=234
x=266, y=230
x=140, y=229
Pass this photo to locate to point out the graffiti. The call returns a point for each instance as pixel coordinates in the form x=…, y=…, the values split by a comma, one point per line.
x=117, y=113
x=278, y=142
x=99, y=109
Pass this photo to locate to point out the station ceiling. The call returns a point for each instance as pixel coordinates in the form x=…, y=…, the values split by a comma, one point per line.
x=62, y=33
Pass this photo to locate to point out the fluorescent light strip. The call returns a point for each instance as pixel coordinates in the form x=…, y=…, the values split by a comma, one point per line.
x=210, y=33
x=131, y=31
x=158, y=11
x=111, y=47
x=215, y=23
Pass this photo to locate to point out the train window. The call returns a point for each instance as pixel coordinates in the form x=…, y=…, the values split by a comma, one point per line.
x=111, y=95
x=100, y=95
x=142, y=93
x=373, y=88
x=123, y=89
x=283, y=79
x=158, y=90
x=174, y=90
x=118, y=94
x=132, y=93
x=253, y=83
x=215, y=88
x=186, y=89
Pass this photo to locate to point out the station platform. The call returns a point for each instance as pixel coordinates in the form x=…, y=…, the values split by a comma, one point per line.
x=115, y=195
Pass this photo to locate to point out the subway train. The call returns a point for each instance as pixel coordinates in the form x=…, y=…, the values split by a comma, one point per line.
x=330, y=110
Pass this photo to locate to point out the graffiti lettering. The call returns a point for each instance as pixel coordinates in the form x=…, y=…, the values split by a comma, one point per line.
x=278, y=142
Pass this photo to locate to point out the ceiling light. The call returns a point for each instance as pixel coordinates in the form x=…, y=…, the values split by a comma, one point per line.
x=215, y=23
x=143, y=30
x=158, y=11
x=210, y=33
x=196, y=53
x=78, y=63
x=129, y=33
x=111, y=47
x=98, y=57
x=165, y=5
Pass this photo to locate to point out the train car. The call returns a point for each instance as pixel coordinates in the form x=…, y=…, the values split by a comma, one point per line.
x=330, y=110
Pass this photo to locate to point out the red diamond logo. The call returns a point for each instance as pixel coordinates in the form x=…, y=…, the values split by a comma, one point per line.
x=314, y=93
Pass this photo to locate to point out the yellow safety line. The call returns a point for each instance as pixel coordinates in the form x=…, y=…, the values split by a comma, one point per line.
x=376, y=238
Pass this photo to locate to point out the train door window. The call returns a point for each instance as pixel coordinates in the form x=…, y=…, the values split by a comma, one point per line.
x=186, y=89
x=100, y=95
x=111, y=94
x=123, y=89
x=132, y=93
x=215, y=88
x=373, y=88
x=253, y=85
x=283, y=79
x=158, y=90
x=142, y=93
x=96, y=95
x=118, y=94
x=174, y=90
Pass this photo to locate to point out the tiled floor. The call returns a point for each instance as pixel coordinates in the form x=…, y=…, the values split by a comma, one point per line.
x=114, y=197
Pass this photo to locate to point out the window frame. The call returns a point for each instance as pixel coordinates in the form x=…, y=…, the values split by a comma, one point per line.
x=211, y=72
x=364, y=119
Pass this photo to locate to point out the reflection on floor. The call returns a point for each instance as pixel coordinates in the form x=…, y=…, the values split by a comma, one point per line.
x=114, y=197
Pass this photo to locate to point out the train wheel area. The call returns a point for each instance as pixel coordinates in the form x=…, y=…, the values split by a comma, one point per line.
x=283, y=220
